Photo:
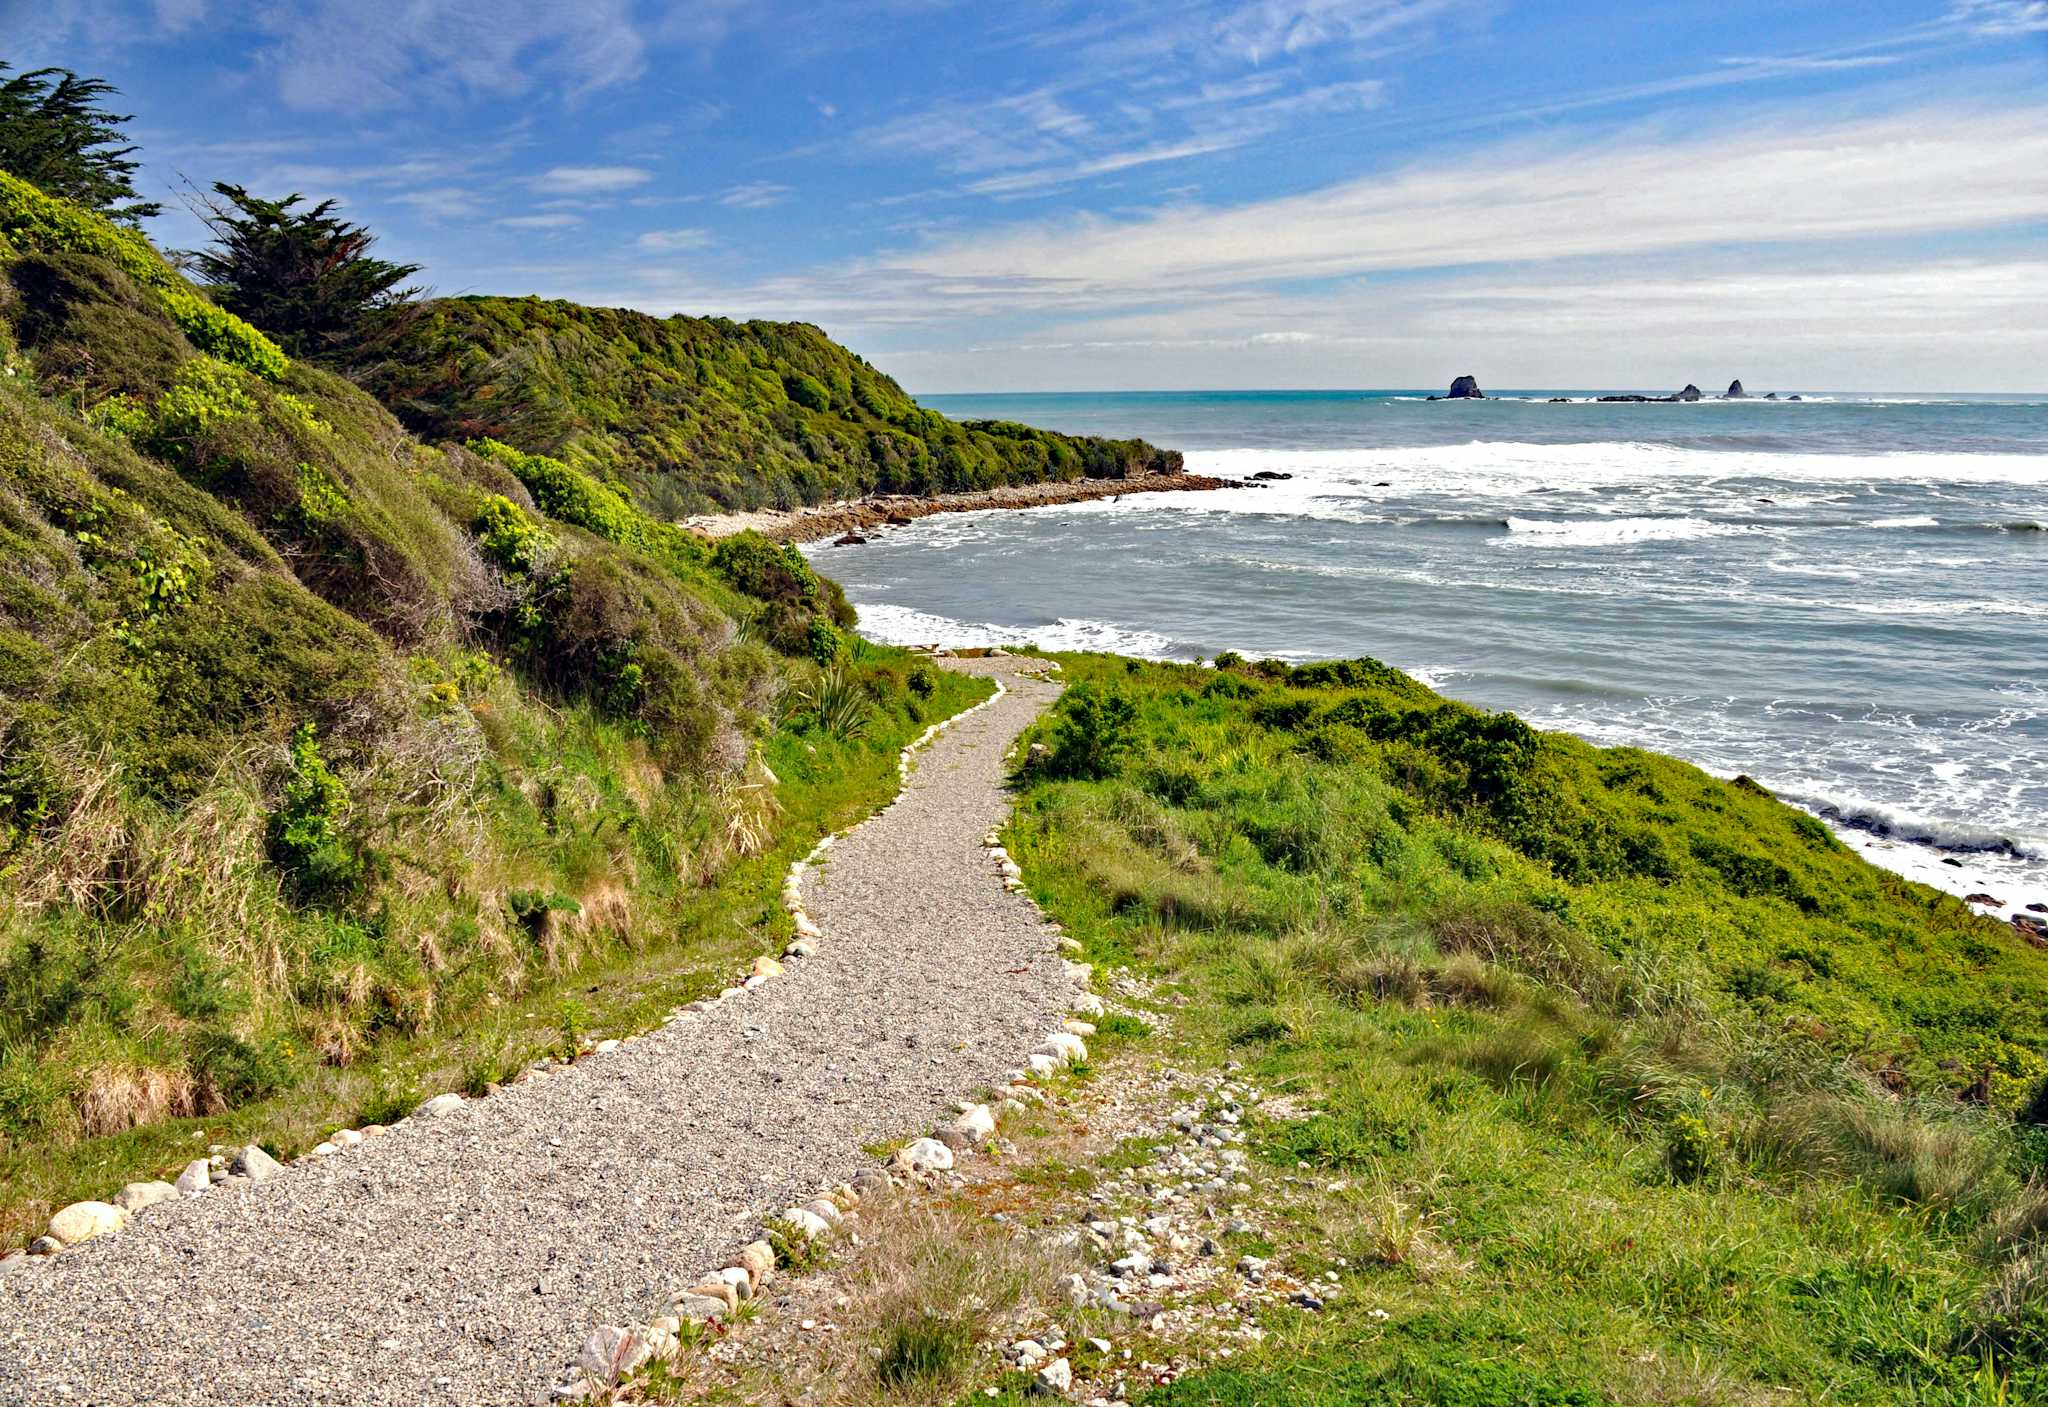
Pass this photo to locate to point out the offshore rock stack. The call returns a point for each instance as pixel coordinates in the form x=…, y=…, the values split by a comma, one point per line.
x=1466, y=388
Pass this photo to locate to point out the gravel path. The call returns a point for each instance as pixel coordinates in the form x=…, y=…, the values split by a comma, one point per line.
x=461, y=1260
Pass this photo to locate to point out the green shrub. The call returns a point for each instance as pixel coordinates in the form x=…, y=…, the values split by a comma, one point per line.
x=571, y=1023
x=836, y=704
x=206, y=394
x=806, y=391
x=237, y=1070
x=32, y=221
x=531, y=907
x=692, y=414
x=507, y=537
x=1689, y=1150
x=1096, y=731
x=308, y=835
x=767, y=571
x=826, y=642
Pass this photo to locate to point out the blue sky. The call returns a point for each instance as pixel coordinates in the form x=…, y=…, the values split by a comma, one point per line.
x=1166, y=193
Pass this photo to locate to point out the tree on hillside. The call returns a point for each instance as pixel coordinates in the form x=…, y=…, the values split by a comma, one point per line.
x=304, y=276
x=55, y=135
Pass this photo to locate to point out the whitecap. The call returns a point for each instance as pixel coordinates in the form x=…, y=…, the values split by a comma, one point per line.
x=1610, y=532
x=904, y=625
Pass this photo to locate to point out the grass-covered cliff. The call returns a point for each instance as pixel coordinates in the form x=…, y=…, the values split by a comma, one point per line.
x=329, y=757
x=1612, y=1083
x=698, y=414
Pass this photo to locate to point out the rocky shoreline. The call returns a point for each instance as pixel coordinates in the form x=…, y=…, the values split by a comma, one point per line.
x=858, y=515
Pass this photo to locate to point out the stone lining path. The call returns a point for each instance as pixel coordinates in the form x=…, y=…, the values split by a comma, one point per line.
x=462, y=1259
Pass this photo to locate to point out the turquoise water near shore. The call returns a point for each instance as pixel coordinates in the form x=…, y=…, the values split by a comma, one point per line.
x=1842, y=597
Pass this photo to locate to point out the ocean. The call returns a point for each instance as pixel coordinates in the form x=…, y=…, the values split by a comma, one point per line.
x=1844, y=597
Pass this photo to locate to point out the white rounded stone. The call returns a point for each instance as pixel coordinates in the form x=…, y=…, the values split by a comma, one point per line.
x=978, y=1123
x=82, y=1221
x=924, y=1155
x=137, y=1195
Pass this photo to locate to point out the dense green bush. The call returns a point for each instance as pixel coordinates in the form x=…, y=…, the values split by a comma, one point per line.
x=692, y=414
x=507, y=536
x=1688, y=1148
x=309, y=839
x=1097, y=730
x=33, y=222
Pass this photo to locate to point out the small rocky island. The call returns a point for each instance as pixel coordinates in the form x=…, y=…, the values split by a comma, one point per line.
x=1690, y=393
x=1466, y=388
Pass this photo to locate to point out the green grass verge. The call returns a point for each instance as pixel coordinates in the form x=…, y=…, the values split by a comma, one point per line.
x=1614, y=1083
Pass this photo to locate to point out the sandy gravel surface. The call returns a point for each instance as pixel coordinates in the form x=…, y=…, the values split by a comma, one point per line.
x=461, y=1260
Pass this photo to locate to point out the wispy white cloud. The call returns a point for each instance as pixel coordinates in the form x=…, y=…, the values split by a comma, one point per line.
x=441, y=203
x=1906, y=174
x=41, y=33
x=358, y=55
x=1033, y=142
x=672, y=241
x=755, y=195
x=1236, y=33
x=590, y=180
x=2001, y=18
x=1045, y=176
x=556, y=220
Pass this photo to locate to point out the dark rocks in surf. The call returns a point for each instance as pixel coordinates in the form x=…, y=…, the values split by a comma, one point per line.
x=1690, y=393
x=1992, y=900
x=850, y=540
x=1271, y=474
x=1795, y=398
x=1768, y=395
x=1735, y=392
x=1464, y=388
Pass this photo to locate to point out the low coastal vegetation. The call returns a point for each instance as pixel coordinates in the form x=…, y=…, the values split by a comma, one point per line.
x=335, y=765
x=1638, y=1085
x=694, y=415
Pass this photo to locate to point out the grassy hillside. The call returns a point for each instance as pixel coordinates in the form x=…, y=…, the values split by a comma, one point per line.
x=1620, y=1084
x=698, y=414
x=329, y=757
